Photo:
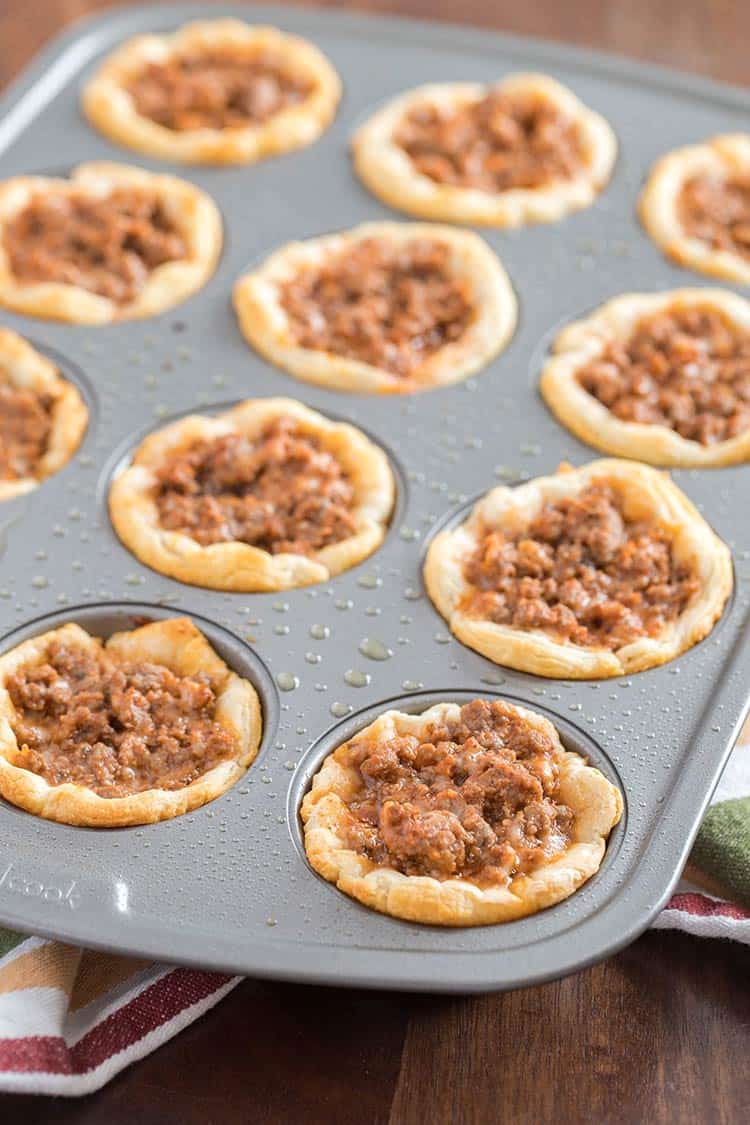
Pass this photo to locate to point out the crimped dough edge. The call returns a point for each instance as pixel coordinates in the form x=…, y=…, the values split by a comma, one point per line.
x=111, y=109
x=583, y=341
x=265, y=324
x=645, y=491
x=389, y=173
x=192, y=210
x=657, y=206
x=596, y=803
x=26, y=367
x=240, y=566
x=180, y=646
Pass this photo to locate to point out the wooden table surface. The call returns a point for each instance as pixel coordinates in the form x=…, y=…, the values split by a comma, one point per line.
x=660, y=1033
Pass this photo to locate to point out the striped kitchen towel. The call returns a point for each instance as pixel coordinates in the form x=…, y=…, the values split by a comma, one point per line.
x=70, y=1019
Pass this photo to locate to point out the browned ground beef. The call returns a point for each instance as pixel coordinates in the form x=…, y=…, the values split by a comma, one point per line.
x=216, y=89
x=582, y=573
x=25, y=424
x=390, y=305
x=283, y=492
x=113, y=726
x=717, y=211
x=107, y=245
x=477, y=798
x=498, y=143
x=686, y=368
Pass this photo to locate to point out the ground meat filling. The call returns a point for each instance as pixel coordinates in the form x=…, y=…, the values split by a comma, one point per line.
x=496, y=144
x=218, y=89
x=25, y=426
x=106, y=244
x=282, y=492
x=717, y=211
x=477, y=799
x=581, y=572
x=112, y=726
x=686, y=368
x=388, y=304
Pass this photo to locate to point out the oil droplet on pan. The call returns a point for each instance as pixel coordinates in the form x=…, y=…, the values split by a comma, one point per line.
x=369, y=581
x=374, y=649
x=355, y=678
x=286, y=681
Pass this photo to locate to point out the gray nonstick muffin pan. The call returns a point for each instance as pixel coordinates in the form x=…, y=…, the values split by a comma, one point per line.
x=228, y=886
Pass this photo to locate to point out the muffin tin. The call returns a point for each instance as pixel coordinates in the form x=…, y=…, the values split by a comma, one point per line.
x=228, y=886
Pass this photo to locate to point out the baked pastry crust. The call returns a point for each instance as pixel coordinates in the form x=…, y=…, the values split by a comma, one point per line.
x=389, y=173
x=584, y=341
x=657, y=206
x=596, y=804
x=110, y=108
x=193, y=212
x=26, y=367
x=179, y=646
x=241, y=566
x=646, y=493
x=265, y=324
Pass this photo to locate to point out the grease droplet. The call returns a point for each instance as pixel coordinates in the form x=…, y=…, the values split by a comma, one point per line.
x=369, y=581
x=320, y=632
x=374, y=649
x=340, y=709
x=286, y=681
x=355, y=678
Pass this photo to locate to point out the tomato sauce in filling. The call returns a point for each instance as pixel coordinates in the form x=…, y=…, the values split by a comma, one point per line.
x=501, y=142
x=282, y=492
x=716, y=210
x=25, y=427
x=216, y=89
x=113, y=726
x=106, y=244
x=386, y=304
x=581, y=572
x=475, y=798
x=686, y=368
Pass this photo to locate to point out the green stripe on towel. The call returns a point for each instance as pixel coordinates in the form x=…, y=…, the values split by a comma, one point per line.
x=722, y=848
x=9, y=939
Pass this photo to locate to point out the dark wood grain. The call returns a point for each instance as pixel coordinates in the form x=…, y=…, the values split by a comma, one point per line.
x=657, y=1034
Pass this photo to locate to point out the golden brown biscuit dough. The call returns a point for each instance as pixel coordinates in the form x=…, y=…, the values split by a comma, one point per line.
x=265, y=324
x=179, y=646
x=718, y=158
x=583, y=341
x=24, y=366
x=241, y=566
x=646, y=494
x=388, y=171
x=111, y=109
x=194, y=214
x=595, y=803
